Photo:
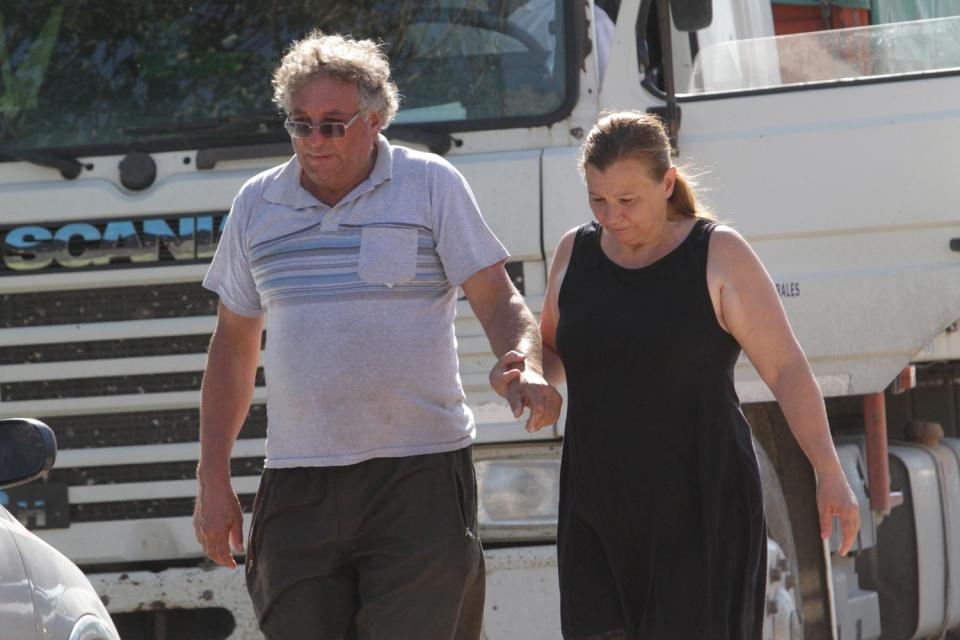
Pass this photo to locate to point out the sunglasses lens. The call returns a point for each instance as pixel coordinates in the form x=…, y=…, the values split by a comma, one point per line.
x=297, y=129
x=326, y=129
x=332, y=130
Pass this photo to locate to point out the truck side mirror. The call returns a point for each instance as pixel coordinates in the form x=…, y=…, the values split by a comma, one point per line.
x=691, y=15
x=28, y=448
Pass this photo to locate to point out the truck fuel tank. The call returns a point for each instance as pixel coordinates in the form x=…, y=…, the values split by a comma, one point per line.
x=916, y=563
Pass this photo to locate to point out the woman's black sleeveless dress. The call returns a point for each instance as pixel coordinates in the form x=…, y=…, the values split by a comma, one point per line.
x=661, y=527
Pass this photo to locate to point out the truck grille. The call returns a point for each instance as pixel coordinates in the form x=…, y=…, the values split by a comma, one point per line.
x=84, y=377
x=114, y=385
x=142, y=428
x=158, y=472
x=98, y=349
x=116, y=372
x=45, y=308
x=139, y=509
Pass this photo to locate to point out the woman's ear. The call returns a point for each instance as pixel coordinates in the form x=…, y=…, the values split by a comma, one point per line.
x=669, y=181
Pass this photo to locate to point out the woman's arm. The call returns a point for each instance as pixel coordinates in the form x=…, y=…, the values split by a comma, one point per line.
x=552, y=366
x=748, y=307
x=507, y=368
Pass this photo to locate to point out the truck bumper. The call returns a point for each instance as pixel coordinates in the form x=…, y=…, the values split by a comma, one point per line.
x=522, y=595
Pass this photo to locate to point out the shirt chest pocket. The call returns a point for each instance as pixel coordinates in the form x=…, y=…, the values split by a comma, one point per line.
x=388, y=256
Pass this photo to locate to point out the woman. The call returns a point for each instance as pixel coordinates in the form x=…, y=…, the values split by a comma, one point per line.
x=661, y=532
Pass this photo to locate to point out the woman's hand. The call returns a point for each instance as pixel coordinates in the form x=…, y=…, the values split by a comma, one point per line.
x=836, y=498
x=522, y=387
x=507, y=369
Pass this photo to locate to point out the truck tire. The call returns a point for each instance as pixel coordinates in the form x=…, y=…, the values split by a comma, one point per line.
x=784, y=602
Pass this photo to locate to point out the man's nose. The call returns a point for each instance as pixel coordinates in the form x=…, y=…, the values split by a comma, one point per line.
x=315, y=138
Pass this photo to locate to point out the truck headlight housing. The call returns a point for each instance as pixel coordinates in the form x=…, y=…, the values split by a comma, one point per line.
x=518, y=490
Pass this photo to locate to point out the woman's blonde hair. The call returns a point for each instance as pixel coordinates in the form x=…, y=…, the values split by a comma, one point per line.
x=640, y=136
x=343, y=58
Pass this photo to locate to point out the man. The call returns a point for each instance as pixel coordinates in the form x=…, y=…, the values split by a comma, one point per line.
x=365, y=521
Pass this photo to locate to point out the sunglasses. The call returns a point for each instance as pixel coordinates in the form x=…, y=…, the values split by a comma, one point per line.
x=300, y=129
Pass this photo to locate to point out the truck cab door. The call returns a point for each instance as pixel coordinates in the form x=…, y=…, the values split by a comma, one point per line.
x=834, y=153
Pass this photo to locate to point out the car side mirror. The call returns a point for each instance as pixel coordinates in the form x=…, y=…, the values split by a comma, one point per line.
x=28, y=449
x=691, y=15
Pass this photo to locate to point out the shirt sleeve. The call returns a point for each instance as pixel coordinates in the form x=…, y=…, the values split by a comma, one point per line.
x=465, y=243
x=229, y=275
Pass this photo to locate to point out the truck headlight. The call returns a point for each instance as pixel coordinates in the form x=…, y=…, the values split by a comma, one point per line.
x=518, y=491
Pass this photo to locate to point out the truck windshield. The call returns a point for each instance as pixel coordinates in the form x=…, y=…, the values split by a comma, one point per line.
x=101, y=76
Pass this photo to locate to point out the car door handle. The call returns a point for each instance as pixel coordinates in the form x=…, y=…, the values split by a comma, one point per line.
x=954, y=244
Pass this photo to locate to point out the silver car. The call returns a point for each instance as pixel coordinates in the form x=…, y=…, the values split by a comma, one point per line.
x=43, y=595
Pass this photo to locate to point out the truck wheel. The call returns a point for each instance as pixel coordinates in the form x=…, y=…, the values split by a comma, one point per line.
x=783, y=605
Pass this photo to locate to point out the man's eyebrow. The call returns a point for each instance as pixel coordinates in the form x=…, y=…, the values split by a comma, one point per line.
x=333, y=113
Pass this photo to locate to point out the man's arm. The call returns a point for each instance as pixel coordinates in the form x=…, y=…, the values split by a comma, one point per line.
x=226, y=394
x=511, y=327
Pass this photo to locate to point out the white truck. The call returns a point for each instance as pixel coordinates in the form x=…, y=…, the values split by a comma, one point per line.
x=127, y=127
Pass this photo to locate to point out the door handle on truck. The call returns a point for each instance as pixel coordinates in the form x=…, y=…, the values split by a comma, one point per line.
x=954, y=244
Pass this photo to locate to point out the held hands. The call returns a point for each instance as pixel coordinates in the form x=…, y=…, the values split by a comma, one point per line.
x=835, y=498
x=523, y=387
x=218, y=523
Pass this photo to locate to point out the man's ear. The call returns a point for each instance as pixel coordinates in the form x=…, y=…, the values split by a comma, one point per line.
x=374, y=121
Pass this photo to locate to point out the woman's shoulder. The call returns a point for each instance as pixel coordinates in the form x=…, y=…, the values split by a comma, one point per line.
x=564, y=251
x=730, y=254
x=586, y=228
x=564, y=248
x=724, y=238
x=571, y=237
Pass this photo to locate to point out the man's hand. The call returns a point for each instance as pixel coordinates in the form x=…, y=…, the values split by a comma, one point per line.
x=512, y=330
x=522, y=387
x=218, y=522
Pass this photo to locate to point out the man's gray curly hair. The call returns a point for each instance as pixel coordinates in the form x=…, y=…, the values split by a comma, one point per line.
x=335, y=56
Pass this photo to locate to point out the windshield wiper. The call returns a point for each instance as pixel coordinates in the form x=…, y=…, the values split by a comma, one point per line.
x=204, y=126
x=68, y=167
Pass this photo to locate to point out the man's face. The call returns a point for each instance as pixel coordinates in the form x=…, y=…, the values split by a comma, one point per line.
x=333, y=166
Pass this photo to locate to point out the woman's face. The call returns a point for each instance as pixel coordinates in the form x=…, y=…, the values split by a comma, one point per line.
x=626, y=201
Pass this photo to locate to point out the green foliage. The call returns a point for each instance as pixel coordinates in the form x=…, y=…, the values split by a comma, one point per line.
x=21, y=88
